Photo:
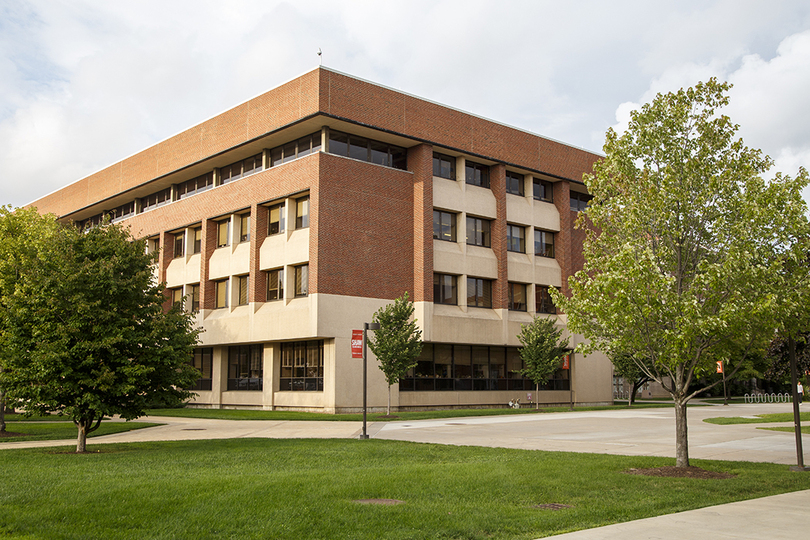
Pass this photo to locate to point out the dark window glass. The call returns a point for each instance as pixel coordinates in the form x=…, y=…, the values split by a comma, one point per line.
x=358, y=148
x=203, y=360
x=276, y=219
x=276, y=155
x=156, y=200
x=515, y=239
x=230, y=173
x=517, y=297
x=543, y=302
x=478, y=232
x=244, y=228
x=363, y=149
x=195, y=298
x=444, y=226
x=179, y=244
x=476, y=174
x=177, y=296
x=444, y=289
x=444, y=166
x=579, y=201
x=378, y=153
x=338, y=143
x=275, y=284
x=302, y=366
x=479, y=292
x=289, y=152
x=514, y=183
x=197, y=239
x=245, y=367
x=252, y=165
x=543, y=243
x=243, y=282
x=122, y=212
x=304, y=146
x=302, y=280
x=543, y=190
x=195, y=185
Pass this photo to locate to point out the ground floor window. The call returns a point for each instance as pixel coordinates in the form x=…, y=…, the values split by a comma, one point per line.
x=443, y=366
x=302, y=366
x=245, y=370
x=203, y=360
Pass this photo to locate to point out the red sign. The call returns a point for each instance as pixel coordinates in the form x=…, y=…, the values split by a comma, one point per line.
x=719, y=366
x=566, y=361
x=357, y=344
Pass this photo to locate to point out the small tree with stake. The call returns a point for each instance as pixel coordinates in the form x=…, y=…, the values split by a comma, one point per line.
x=542, y=352
x=398, y=342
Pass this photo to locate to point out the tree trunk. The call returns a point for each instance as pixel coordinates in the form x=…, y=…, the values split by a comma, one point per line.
x=681, y=439
x=81, y=440
x=2, y=412
x=389, y=401
x=537, y=395
x=633, y=392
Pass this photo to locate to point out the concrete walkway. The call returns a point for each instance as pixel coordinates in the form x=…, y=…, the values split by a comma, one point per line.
x=649, y=432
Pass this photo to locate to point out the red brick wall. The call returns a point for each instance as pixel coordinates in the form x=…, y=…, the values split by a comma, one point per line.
x=500, y=289
x=420, y=162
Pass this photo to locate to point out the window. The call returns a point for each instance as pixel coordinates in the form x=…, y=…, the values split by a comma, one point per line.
x=478, y=232
x=515, y=239
x=275, y=284
x=156, y=200
x=543, y=243
x=153, y=246
x=514, y=183
x=177, y=296
x=276, y=219
x=245, y=369
x=543, y=302
x=360, y=148
x=237, y=170
x=543, y=190
x=295, y=149
x=195, y=298
x=444, y=166
x=479, y=292
x=302, y=213
x=197, y=233
x=195, y=185
x=302, y=280
x=122, y=212
x=221, y=294
x=179, y=245
x=476, y=174
x=223, y=232
x=243, y=282
x=203, y=361
x=444, y=226
x=579, y=201
x=302, y=366
x=444, y=289
x=244, y=228
x=517, y=296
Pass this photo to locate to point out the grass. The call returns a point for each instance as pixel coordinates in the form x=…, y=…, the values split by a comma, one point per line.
x=292, y=489
x=758, y=419
x=50, y=431
x=805, y=429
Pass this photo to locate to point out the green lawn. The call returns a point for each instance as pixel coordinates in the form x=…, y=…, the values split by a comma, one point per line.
x=758, y=419
x=294, y=489
x=50, y=431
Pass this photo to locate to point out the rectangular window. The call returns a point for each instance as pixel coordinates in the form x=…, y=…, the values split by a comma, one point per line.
x=579, y=201
x=221, y=294
x=197, y=232
x=195, y=185
x=302, y=213
x=479, y=292
x=176, y=296
x=543, y=190
x=444, y=289
x=245, y=367
x=478, y=232
x=543, y=302
x=295, y=149
x=302, y=366
x=543, y=243
x=302, y=280
x=514, y=183
x=476, y=174
x=122, y=212
x=240, y=169
x=243, y=282
x=244, y=228
x=515, y=239
x=223, y=232
x=275, y=284
x=195, y=298
x=276, y=219
x=444, y=166
x=360, y=148
x=156, y=200
x=517, y=296
x=444, y=226
x=179, y=245
x=203, y=361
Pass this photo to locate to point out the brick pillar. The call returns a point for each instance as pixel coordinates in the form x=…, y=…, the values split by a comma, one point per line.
x=209, y=244
x=420, y=163
x=562, y=240
x=259, y=216
x=497, y=183
x=165, y=254
x=314, y=228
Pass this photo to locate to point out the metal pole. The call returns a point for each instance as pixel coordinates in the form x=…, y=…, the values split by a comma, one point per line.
x=796, y=416
x=365, y=381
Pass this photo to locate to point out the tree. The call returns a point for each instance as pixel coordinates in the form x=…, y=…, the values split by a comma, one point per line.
x=542, y=352
x=689, y=251
x=398, y=342
x=86, y=335
x=626, y=366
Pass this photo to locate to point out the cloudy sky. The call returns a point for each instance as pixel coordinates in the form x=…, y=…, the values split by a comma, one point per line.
x=86, y=83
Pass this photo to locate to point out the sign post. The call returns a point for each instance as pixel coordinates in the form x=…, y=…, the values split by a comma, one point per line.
x=364, y=337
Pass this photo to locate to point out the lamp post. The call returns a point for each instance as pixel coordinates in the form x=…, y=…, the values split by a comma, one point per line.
x=366, y=328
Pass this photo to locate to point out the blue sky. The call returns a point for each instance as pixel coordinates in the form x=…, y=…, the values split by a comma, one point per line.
x=86, y=83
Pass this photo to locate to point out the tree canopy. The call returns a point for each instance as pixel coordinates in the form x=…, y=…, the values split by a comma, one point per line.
x=85, y=333
x=543, y=350
x=691, y=256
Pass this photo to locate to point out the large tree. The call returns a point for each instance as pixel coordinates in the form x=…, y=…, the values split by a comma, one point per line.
x=398, y=342
x=85, y=332
x=542, y=352
x=690, y=254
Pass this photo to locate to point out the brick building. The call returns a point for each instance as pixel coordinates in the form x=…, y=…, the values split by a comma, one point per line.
x=287, y=221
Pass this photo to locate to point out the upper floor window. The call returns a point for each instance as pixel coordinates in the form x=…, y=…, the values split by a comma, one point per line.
x=157, y=199
x=275, y=284
x=444, y=226
x=221, y=294
x=444, y=166
x=244, y=228
x=302, y=280
x=295, y=149
x=276, y=224
x=356, y=147
x=223, y=232
x=543, y=190
x=517, y=296
x=122, y=212
x=515, y=239
x=476, y=174
x=243, y=282
x=514, y=183
x=445, y=289
x=195, y=185
x=302, y=213
x=543, y=243
x=543, y=301
x=579, y=201
x=478, y=232
x=177, y=296
x=179, y=244
x=479, y=292
x=197, y=234
x=195, y=298
x=237, y=170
